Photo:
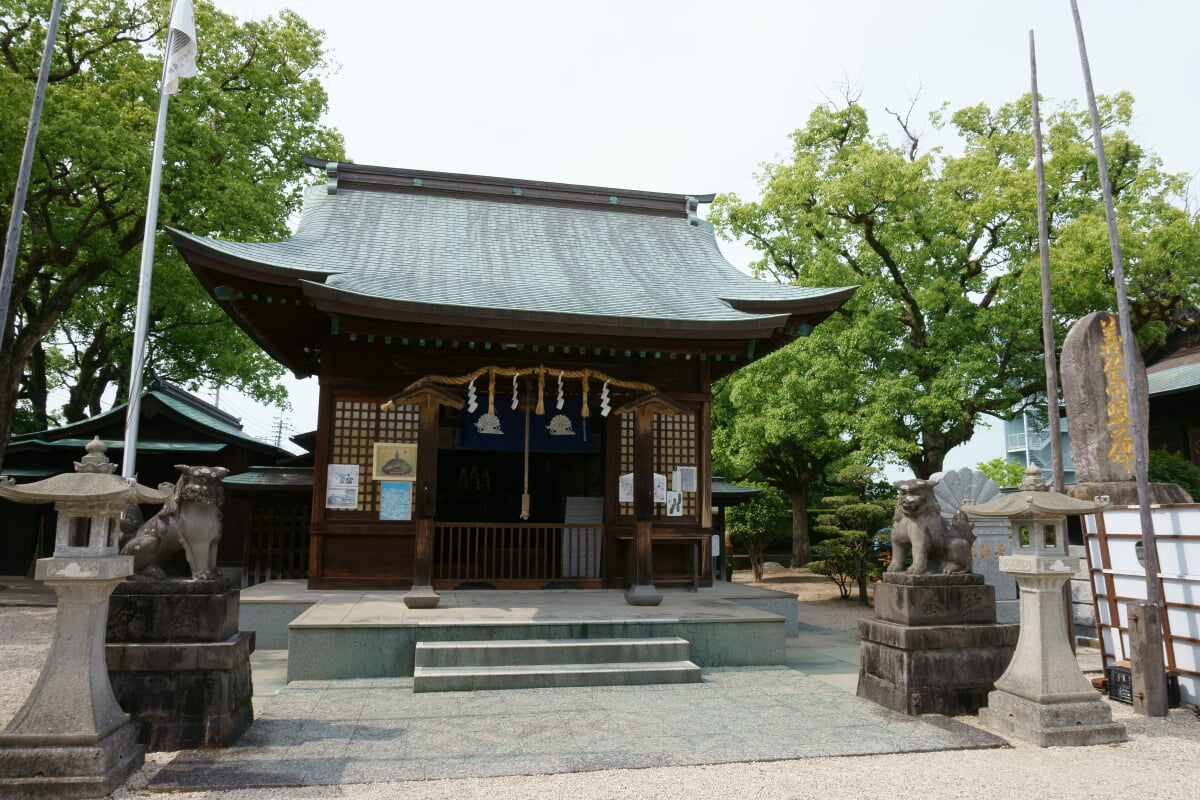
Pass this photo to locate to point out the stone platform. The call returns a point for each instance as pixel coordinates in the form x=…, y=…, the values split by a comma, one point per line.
x=934, y=646
x=335, y=635
x=178, y=663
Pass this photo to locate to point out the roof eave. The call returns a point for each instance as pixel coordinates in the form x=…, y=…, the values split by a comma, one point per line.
x=244, y=267
x=336, y=301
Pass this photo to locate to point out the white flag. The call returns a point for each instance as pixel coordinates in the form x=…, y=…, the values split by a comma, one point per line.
x=180, y=60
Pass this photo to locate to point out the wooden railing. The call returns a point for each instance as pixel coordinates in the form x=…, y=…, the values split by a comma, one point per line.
x=498, y=554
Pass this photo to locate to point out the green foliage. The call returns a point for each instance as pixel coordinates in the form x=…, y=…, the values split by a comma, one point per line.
x=759, y=524
x=945, y=325
x=841, y=559
x=1169, y=467
x=846, y=554
x=1003, y=472
x=235, y=137
x=781, y=421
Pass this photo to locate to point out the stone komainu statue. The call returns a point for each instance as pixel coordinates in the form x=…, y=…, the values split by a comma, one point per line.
x=918, y=526
x=190, y=520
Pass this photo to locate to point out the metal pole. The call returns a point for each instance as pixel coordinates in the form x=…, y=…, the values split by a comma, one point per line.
x=1135, y=393
x=142, y=324
x=1048, y=344
x=12, y=240
x=133, y=409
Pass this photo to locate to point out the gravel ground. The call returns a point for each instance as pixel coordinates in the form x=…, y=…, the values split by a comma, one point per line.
x=1161, y=760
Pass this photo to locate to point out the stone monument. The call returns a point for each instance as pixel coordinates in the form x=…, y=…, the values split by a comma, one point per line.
x=177, y=661
x=1043, y=696
x=71, y=738
x=934, y=646
x=993, y=538
x=1098, y=407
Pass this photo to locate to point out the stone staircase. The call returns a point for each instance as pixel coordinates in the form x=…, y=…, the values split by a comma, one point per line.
x=546, y=663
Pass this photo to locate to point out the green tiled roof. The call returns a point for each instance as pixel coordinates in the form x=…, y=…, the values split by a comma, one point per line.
x=144, y=445
x=1174, y=377
x=414, y=248
x=272, y=478
x=199, y=414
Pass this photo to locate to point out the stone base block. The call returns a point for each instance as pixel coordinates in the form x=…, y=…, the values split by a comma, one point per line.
x=1051, y=724
x=184, y=696
x=172, y=611
x=63, y=773
x=935, y=599
x=942, y=669
x=1124, y=493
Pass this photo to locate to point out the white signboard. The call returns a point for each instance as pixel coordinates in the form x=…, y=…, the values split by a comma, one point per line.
x=341, y=486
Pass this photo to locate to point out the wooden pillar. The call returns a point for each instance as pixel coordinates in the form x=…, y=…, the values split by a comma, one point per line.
x=422, y=595
x=641, y=591
x=1148, y=678
x=429, y=398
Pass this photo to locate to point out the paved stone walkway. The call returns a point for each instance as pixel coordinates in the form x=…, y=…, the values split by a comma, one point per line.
x=315, y=733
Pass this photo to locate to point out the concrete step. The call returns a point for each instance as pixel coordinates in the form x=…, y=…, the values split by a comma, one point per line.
x=546, y=663
x=542, y=676
x=516, y=652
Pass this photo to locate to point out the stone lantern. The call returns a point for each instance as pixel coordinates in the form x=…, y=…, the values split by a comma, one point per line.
x=71, y=738
x=1043, y=696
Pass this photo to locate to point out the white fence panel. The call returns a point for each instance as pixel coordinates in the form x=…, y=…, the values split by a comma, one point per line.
x=1177, y=536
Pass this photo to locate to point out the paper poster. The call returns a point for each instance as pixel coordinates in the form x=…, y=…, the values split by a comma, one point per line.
x=395, y=500
x=625, y=488
x=341, y=486
x=674, y=504
x=687, y=479
x=394, y=461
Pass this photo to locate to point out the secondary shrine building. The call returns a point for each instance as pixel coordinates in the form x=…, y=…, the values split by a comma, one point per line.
x=515, y=375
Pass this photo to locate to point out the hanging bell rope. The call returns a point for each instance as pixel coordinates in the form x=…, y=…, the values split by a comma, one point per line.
x=525, y=491
x=492, y=391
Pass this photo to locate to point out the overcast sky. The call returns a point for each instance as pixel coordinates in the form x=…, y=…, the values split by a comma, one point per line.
x=693, y=97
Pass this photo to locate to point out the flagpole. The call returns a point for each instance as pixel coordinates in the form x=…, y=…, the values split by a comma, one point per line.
x=167, y=85
x=12, y=241
x=1147, y=641
x=1048, y=345
x=142, y=324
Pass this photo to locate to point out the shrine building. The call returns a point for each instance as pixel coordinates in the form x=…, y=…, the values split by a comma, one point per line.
x=515, y=376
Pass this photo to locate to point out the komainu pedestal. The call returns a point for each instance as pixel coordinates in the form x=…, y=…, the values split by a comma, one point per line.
x=934, y=646
x=178, y=663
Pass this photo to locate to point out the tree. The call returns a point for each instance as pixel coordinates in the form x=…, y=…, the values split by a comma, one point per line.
x=945, y=326
x=781, y=421
x=1002, y=471
x=757, y=524
x=232, y=167
x=847, y=553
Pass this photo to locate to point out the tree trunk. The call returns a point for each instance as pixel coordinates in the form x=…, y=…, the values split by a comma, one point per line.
x=801, y=546
x=862, y=581
x=36, y=389
x=8, y=400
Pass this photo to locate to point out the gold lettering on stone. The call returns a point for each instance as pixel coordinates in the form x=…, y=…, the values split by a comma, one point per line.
x=1120, y=426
